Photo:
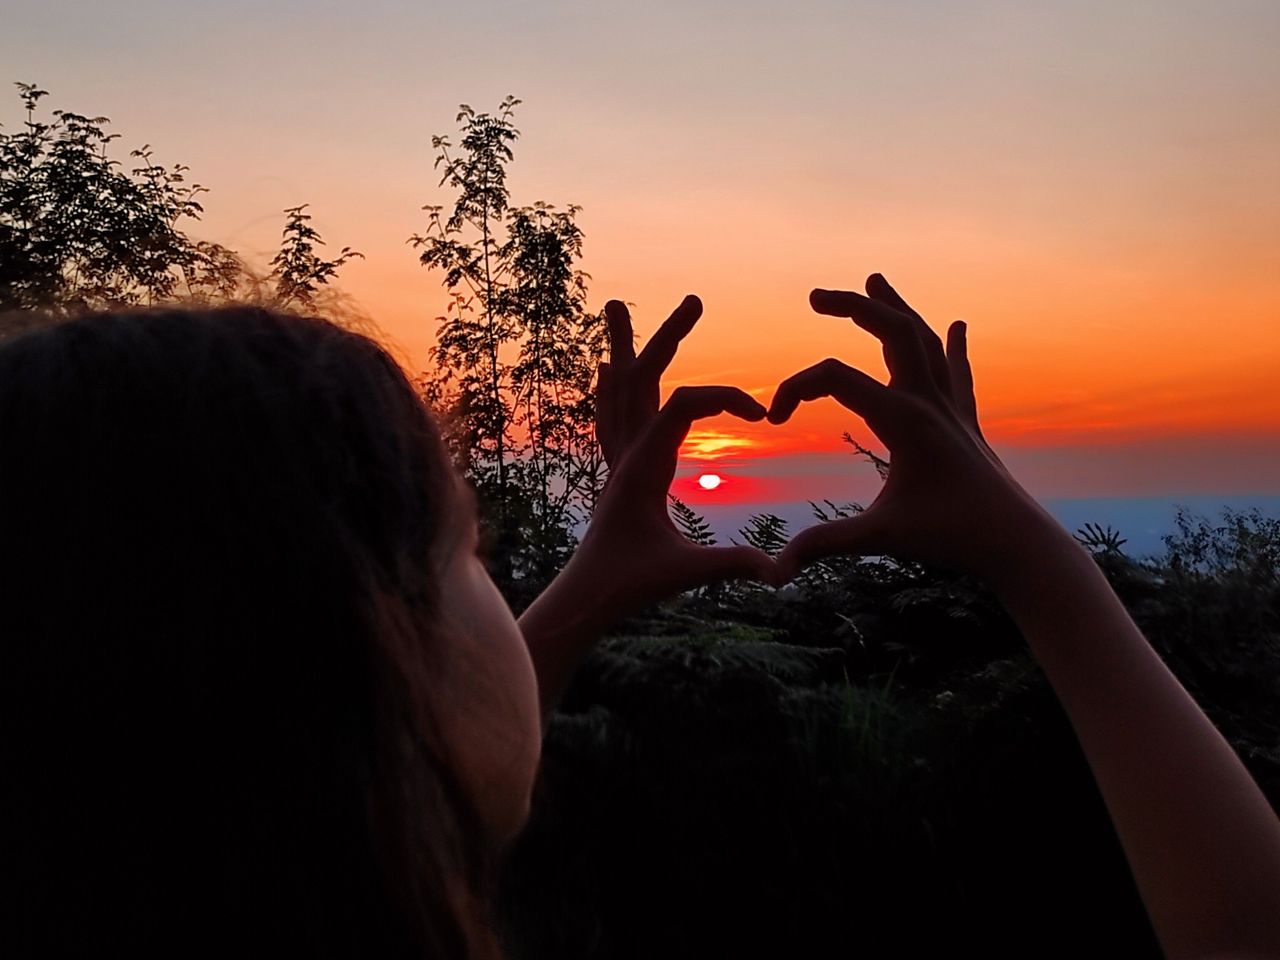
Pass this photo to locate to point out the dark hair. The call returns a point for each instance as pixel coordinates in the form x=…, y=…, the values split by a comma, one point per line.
x=219, y=536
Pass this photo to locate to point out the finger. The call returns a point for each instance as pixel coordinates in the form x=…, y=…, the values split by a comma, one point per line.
x=859, y=535
x=687, y=404
x=851, y=388
x=661, y=348
x=878, y=288
x=904, y=353
x=622, y=348
x=605, y=405
x=961, y=372
x=712, y=564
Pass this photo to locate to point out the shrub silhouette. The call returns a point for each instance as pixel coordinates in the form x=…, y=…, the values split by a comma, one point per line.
x=869, y=759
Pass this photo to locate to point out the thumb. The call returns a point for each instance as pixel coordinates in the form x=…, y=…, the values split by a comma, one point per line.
x=858, y=535
x=734, y=563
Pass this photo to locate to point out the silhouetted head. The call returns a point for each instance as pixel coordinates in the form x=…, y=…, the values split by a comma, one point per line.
x=257, y=695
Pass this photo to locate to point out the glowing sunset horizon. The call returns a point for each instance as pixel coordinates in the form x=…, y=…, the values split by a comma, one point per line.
x=1092, y=188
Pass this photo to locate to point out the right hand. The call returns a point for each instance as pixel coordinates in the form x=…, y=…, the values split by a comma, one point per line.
x=632, y=549
x=948, y=500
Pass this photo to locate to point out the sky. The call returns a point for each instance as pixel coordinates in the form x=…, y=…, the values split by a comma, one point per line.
x=1092, y=186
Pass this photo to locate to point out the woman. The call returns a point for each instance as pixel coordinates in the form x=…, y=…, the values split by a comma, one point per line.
x=259, y=695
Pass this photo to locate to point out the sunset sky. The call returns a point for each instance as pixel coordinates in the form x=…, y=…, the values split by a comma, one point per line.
x=1093, y=186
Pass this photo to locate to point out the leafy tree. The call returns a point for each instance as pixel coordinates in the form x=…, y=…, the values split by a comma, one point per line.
x=560, y=346
x=515, y=352
x=1246, y=545
x=77, y=231
x=298, y=271
x=472, y=375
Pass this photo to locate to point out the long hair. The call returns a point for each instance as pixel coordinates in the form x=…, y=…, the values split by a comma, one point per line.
x=220, y=532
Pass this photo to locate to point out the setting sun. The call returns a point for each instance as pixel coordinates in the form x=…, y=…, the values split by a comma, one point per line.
x=709, y=481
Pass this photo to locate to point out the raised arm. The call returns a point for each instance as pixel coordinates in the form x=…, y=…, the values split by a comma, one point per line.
x=1200, y=837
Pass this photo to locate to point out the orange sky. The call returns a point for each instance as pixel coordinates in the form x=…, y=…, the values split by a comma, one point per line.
x=1093, y=189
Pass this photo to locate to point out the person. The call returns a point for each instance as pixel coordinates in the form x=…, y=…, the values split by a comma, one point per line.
x=259, y=693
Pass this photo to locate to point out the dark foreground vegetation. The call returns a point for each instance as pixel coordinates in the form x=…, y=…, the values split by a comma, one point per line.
x=870, y=764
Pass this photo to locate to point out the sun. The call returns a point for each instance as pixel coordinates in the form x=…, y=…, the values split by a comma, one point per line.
x=709, y=481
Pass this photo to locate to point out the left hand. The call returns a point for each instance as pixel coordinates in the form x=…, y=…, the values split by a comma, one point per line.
x=632, y=546
x=948, y=500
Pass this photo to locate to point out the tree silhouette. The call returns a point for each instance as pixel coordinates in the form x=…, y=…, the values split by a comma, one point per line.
x=515, y=352
x=78, y=231
x=298, y=271
x=465, y=246
x=560, y=345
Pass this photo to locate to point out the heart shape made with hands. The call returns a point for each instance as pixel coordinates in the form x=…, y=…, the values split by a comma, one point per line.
x=944, y=490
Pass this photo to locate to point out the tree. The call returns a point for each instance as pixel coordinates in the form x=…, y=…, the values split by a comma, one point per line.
x=560, y=345
x=515, y=352
x=79, y=232
x=465, y=246
x=298, y=271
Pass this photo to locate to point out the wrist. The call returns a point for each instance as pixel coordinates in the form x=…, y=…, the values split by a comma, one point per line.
x=1032, y=549
x=581, y=597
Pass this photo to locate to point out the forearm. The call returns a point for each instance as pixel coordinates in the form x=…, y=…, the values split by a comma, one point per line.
x=1200, y=837
x=563, y=623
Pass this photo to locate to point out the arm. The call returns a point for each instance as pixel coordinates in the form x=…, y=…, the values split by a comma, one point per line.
x=562, y=624
x=1201, y=839
x=1199, y=835
x=632, y=554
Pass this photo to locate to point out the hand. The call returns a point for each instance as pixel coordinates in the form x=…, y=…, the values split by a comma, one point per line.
x=631, y=542
x=948, y=500
x=632, y=554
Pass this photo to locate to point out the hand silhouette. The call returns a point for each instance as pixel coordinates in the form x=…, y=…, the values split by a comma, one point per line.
x=631, y=533
x=947, y=500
